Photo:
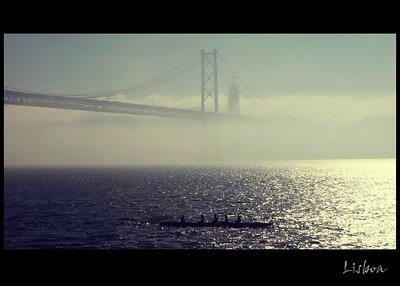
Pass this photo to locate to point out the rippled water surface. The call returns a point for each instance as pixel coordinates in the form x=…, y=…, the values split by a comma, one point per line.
x=313, y=204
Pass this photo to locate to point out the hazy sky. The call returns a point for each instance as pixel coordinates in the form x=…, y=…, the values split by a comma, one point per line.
x=333, y=97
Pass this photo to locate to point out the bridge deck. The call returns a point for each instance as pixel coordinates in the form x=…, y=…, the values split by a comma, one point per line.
x=64, y=102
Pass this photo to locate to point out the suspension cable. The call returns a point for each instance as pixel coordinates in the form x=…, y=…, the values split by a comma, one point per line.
x=173, y=73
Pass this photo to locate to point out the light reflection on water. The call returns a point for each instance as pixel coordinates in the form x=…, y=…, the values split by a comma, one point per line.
x=313, y=204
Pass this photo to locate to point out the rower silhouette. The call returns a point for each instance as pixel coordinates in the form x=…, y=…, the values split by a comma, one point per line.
x=238, y=219
x=226, y=219
x=182, y=219
x=202, y=219
x=215, y=220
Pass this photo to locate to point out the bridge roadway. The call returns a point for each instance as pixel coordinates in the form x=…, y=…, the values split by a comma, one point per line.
x=65, y=102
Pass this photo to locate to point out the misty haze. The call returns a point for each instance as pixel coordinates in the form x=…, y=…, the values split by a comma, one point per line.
x=279, y=141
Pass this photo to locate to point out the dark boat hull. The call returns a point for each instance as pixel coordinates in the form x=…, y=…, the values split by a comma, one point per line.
x=221, y=224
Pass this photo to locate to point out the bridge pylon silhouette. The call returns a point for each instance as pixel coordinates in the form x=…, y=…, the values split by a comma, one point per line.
x=209, y=78
x=209, y=89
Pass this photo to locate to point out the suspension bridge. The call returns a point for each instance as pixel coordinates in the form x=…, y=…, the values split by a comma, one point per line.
x=175, y=93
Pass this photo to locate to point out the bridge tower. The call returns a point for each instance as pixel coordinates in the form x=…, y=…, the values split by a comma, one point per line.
x=209, y=88
x=233, y=99
x=209, y=78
